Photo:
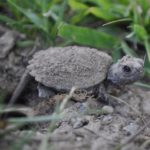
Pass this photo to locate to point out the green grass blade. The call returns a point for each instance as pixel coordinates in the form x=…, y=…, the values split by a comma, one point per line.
x=87, y=36
x=8, y=20
x=117, y=21
x=75, y=5
x=142, y=85
x=140, y=32
x=34, y=119
x=33, y=17
x=147, y=47
x=100, y=13
x=147, y=66
x=127, y=50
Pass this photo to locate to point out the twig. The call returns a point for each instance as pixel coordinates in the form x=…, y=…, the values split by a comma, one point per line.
x=20, y=87
x=25, y=79
x=66, y=99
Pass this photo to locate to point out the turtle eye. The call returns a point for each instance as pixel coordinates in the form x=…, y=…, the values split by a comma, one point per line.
x=126, y=69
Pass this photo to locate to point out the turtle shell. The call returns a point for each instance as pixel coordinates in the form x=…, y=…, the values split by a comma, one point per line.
x=62, y=68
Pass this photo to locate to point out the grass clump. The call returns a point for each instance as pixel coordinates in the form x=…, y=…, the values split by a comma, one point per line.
x=116, y=26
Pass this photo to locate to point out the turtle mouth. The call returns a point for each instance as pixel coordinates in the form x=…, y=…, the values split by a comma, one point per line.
x=125, y=79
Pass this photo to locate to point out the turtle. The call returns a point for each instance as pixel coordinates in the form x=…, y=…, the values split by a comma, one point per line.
x=58, y=69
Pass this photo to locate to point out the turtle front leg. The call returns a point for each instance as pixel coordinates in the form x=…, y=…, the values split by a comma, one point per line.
x=102, y=95
x=105, y=96
x=44, y=91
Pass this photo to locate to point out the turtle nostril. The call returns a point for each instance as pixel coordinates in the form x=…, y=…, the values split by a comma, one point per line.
x=126, y=69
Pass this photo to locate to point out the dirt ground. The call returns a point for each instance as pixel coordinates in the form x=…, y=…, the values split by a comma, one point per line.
x=86, y=124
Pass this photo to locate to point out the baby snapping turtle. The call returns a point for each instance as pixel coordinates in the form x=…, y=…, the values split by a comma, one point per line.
x=58, y=69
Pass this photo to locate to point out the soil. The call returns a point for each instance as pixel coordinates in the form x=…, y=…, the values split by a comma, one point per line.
x=87, y=124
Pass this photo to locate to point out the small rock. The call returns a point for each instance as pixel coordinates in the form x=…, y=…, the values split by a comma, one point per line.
x=107, y=109
x=78, y=122
x=107, y=120
x=7, y=42
x=131, y=128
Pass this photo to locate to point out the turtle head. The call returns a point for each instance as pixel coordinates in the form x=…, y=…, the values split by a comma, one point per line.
x=127, y=70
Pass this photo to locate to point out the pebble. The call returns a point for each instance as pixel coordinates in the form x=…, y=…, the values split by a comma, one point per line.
x=107, y=109
x=107, y=120
x=131, y=128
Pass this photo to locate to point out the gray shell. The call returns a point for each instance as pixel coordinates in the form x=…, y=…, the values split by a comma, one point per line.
x=63, y=68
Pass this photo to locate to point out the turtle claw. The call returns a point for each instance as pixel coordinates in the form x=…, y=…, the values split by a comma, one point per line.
x=44, y=91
